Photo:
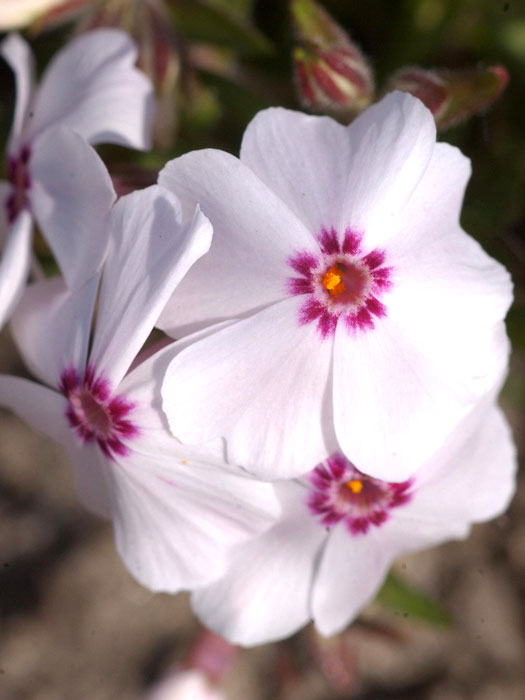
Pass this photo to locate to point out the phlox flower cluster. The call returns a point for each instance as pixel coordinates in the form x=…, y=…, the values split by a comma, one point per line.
x=324, y=398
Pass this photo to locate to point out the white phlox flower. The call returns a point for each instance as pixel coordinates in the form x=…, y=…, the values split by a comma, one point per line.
x=366, y=319
x=90, y=93
x=175, y=509
x=191, y=684
x=340, y=530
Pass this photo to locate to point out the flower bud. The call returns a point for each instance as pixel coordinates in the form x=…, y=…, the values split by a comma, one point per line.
x=331, y=73
x=314, y=25
x=452, y=96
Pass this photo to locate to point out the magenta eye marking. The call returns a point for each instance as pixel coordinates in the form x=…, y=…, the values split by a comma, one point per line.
x=19, y=177
x=340, y=492
x=95, y=414
x=341, y=282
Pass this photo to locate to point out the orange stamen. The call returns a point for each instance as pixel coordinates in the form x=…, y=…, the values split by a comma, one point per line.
x=332, y=281
x=355, y=486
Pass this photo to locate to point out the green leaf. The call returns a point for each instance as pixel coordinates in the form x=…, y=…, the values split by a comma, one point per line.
x=410, y=603
x=238, y=9
x=199, y=21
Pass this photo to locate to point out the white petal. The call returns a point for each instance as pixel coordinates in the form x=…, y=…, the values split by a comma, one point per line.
x=265, y=593
x=14, y=265
x=51, y=327
x=45, y=411
x=304, y=160
x=175, y=519
x=142, y=386
x=472, y=477
x=151, y=250
x=438, y=268
x=392, y=144
x=185, y=685
x=93, y=87
x=17, y=13
x=254, y=234
x=17, y=53
x=263, y=383
x=399, y=391
x=357, y=176
x=71, y=195
x=350, y=573
x=429, y=220
x=42, y=408
x=442, y=346
x=91, y=479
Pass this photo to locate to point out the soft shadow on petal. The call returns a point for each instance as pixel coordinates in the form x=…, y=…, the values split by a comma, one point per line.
x=401, y=388
x=175, y=520
x=254, y=234
x=71, y=196
x=472, y=477
x=42, y=408
x=51, y=327
x=258, y=382
x=350, y=573
x=151, y=250
x=265, y=593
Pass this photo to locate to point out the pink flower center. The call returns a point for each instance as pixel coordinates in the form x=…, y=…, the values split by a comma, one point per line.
x=342, y=281
x=95, y=414
x=18, y=176
x=342, y=493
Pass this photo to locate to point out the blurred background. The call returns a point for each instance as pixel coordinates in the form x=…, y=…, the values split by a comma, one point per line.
x=451, y=625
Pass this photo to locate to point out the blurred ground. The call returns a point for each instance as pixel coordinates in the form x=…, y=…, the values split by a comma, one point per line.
x=75, y=626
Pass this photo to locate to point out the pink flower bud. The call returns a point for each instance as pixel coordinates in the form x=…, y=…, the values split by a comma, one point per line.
x=452, y=96
x=331, y=73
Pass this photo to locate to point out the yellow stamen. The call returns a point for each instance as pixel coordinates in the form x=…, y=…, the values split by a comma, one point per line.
x=332, y=281
x=185, y=461
x=355, y=486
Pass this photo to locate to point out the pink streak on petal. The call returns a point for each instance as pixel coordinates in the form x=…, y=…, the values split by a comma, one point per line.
x=329, y=242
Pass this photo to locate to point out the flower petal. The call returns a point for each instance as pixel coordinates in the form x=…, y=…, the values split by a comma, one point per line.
x=392, y=145
x=430, y=218
x=438, y=268
x=442, y=345
x=42, y=408
x=14, y=265
x=329, y=175
x=254, y=234
x=51, y=327
x=472, y=477
x=304, y=160
x=93, y=87
x=17, y=53
x=265, y=593
x=176, y=519
x=151, y=250
x=45, y=411
x=71, y=196
x=350, y=573
x=263, y=383
x=400, y=389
